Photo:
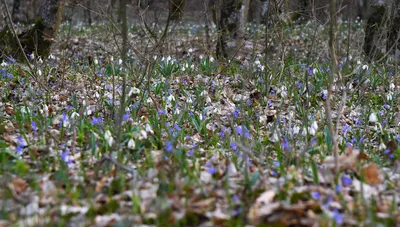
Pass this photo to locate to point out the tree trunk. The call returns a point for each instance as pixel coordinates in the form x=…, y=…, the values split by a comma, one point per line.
x=15, y=10
x=228, y=25
x=38, y=39
x=383, y=18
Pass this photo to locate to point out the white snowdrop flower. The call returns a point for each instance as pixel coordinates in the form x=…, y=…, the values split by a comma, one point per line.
x=365, y=67
x=211, y=59
x=314, y=126
x=4, y=64
x=183, y=69
x=315, y=71
x=143, y=135
x=190, y=50
x=163, y=59
x=262, y=68
x=257, y=62
x=52, y=57
x=149, y=100
x=274, y=137
x=170, y=98
x=88, y=112
x=131, y=144
x=169, y=58
x=155, y=57
x=39, y=72
x=97, y=95
x=45, y=111
x=112, y=59
x=296, y=130
x=304, y=132
x=392, y=86
x=358, y=62
x=120, y=61
x=201, y=56
x=177, y=111
x=96, y=62
x=208, y=99
x=108, y=137
x=40, y=61
x=149, y=129
x=32, y=56
x=189, y=100
x=134, y=90
x=74, y=115
x=192, y=66
x=283, y=92
x=389, y=96
x=350, y=57
x=382, y=146
x=373, y=118
x=204, y=93
x=312, y=131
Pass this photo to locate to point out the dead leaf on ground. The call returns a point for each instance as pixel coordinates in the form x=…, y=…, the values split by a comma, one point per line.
x=372, y=174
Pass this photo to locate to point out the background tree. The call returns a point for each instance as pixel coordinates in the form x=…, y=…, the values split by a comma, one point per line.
x=384, y=17
x=228, y=27
x=40, y=37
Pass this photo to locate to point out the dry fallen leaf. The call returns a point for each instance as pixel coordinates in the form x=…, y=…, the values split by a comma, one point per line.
x=263, y=207
x=19, y=185
x=372, y=174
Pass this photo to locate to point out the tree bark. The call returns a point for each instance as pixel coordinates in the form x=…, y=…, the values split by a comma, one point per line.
x=40, y=37
x=228, y=27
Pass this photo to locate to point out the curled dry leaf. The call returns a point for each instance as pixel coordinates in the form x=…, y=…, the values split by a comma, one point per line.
x=19, y=185
x=372, y=174
x=202, y=206
x=347, y=161
x=263, y=207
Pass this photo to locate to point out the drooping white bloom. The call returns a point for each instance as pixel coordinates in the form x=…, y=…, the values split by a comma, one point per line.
x=211, y=59
x=373, y=118
x=39, y=72
x=32, y=56
x=108, y=137
x=131, y=144
x=74, y=115
x=392, y=86
x=170, y=98
x=112, y=59
x=382, y=146
x=96, y=62
x=314, y=126
x=296, y=130
x=365, y=67
x=389, y=96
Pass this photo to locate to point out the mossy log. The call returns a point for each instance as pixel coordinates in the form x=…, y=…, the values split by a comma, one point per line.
x=37, y=39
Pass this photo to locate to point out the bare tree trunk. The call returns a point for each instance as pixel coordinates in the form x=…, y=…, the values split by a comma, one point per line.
x=124, y=51
x=207, y=25
x=227, y=26
x=88, y=14
x=15, y=10
x=39, y=38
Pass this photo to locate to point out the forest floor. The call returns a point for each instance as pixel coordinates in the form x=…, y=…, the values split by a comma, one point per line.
x=202, y=143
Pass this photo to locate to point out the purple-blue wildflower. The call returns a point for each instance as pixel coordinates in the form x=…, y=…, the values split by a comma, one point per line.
x=316, y=195
x=169, y=147
x=233, y=145
x=346, y=181
x=34, y=127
